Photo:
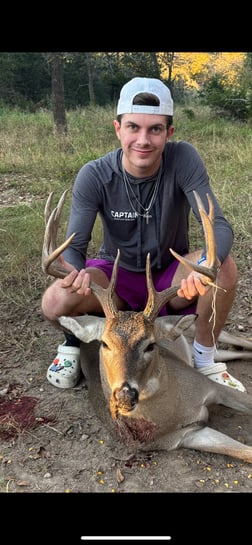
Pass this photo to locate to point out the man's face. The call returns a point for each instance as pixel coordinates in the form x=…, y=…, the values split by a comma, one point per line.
x=142, y=137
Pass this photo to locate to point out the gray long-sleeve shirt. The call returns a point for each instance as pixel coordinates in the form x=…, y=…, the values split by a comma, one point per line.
x=99, y=189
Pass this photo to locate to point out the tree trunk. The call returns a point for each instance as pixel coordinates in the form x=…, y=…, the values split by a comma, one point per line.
x=58, y=97
x=88, y=57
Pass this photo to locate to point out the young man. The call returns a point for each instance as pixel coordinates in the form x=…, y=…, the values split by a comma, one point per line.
x=143, y=192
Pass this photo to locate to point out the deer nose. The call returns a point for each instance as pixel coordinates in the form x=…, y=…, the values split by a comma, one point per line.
x=126, y=397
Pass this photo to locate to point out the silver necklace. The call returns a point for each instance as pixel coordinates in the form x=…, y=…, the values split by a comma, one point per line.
x=128, y=188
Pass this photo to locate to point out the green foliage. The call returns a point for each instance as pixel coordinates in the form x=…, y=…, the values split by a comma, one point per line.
x=232, y=101
x=189, y=113
x=25, y=78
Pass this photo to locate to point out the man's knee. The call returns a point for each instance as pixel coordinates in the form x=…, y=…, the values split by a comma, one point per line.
x=48, y=306
x=228, y=273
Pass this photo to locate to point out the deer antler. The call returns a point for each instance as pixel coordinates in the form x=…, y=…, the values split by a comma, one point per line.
x=51, y=264
x=157, y=299
x=210, y=270
x=106, y=295
x=50, y=252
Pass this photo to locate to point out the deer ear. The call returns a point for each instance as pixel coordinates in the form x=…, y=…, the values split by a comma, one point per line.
x=172, y=327
x=87, y=328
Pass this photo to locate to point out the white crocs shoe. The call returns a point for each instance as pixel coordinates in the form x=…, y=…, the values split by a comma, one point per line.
x=64, y=371
x=218, y=373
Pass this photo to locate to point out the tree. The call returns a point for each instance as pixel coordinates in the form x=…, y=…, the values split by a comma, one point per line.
x=88, y=57
x=58, y=95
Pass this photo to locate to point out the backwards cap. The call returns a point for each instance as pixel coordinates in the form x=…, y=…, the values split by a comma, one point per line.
x=145, y=85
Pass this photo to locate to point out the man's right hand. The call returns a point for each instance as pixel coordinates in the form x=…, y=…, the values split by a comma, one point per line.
x=77, y=282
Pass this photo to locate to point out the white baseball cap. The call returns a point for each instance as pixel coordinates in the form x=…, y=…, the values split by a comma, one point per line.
x=145, y=85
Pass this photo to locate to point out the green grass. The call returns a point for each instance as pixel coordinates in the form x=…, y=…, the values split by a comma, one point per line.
x=35, y=160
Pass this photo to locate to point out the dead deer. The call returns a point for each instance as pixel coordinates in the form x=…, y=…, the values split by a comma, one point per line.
x=138, y=366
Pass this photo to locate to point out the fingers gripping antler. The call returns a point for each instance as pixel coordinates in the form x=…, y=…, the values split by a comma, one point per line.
x=50, y=252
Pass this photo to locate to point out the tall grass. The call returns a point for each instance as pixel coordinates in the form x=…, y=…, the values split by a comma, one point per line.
x=35, y=160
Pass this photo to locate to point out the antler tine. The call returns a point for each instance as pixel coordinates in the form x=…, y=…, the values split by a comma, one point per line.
x=106, y=295
x=52, y=219
x=48, y=205
x=210, y=270
x=50, y=251
x=208, y=225
x=201, y=205
x=156, y=299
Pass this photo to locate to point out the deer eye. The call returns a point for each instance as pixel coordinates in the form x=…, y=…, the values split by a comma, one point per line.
x=150, y=347
x=103, y=344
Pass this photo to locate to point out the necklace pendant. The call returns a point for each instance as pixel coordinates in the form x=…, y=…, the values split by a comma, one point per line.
x=147, y=216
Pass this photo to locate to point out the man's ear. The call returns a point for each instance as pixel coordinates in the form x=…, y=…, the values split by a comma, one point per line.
x=117, y=126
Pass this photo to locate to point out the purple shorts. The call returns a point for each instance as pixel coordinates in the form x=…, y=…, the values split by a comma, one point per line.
x=131, y=286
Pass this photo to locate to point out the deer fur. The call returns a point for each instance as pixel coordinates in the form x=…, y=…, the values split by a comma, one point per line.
x=144, y=389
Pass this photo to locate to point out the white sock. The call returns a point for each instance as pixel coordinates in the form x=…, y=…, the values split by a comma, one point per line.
x=203, y=355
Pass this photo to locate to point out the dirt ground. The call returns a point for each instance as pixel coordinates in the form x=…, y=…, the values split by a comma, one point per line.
x=51, y=440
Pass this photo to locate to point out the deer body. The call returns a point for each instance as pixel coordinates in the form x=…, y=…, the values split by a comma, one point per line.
x=144, y=389
x=138, y=366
